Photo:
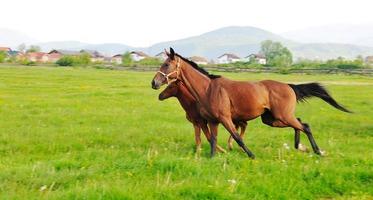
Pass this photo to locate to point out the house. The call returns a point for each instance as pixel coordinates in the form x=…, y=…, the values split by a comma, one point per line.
x=199, y=60
x=6, y=49
x=369, y=60
x=116, y=59
x=259, y=58
x=228, y=58
x=162, y=56
x=65, y=52
x=54, y=57
x=13, y=53
x=95, y=55
x=37, y=57
x=138, y=55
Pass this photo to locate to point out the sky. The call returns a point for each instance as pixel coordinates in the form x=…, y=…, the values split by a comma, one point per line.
x=145, y=22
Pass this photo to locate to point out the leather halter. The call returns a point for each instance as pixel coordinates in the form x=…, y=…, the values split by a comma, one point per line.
x=167, y=76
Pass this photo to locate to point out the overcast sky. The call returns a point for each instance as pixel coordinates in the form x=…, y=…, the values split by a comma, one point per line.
x=145, y=22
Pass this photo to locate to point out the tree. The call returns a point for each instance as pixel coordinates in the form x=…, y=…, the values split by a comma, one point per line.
x=21, y=47
x=83, y=59
x=33, y=48
x=126, y=59
x=276, y=54
x=3, y=56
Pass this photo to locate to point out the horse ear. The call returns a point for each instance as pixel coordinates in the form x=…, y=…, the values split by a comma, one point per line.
x=166, y=52
x=172, y=53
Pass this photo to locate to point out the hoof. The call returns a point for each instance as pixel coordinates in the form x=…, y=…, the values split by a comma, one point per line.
x=220, y=149
x=302, y=148
x=322, y=153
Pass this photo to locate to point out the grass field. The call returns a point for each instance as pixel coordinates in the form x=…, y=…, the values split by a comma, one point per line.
x=73, y=133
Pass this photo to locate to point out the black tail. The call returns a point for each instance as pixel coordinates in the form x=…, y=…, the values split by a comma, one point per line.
x=303, y=91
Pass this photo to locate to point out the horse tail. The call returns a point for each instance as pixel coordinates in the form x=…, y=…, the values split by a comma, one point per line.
x=304, y=91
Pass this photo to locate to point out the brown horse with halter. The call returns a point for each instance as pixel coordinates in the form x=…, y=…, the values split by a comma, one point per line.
x=224, y=101
x=190, y=105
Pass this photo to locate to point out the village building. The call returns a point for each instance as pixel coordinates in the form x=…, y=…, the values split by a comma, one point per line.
x=95, y=55
x=65, y=52
x=138, y=55
x=116, y=59
x=6, y=49
x=259, y=58
x=162, y=56
x=228, y=58
x=40, y=57
x=369, y=60
x=199, y=60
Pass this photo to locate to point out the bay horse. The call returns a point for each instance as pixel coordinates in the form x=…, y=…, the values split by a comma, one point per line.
x=222, y=100
x=190, y=105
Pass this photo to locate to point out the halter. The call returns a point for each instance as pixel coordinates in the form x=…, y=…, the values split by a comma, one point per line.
x=167, y=76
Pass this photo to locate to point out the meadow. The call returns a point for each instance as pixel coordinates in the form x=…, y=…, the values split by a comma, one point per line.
x=81, y=133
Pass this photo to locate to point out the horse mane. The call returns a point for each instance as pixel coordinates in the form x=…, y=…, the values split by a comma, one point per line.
x=198, y=68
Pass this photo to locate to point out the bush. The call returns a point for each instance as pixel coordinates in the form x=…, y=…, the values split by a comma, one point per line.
x=66, y=61
x=306, y=63
x=342, y=63
x=242, y=65
x=150, y=62
x=83, y=59
x=27, y=62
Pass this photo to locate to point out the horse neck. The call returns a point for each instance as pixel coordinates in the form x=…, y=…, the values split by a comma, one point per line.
x=196, y=83
x=185, y=98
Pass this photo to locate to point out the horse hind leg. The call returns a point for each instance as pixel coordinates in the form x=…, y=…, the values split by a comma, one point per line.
x=296, y=124
x=297, y=143
x=299, y=126
x=307, y=131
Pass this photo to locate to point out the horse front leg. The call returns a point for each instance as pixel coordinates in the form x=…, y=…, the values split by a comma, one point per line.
x=208, y=137
x=213, y=139
x=228, y=124
x=197, y=137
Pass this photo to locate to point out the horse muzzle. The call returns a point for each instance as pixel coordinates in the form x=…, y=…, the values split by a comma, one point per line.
x=155, y=85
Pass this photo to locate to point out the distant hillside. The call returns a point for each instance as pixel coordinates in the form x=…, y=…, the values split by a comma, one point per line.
x=246, y=40
x=342, y=33
x=13, y=38
x=329, y=50
x=238, y=40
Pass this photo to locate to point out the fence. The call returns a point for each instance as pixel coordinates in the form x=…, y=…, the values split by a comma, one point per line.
x=366, y=72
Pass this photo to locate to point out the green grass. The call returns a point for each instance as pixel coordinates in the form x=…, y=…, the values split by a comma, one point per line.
x=72, y=133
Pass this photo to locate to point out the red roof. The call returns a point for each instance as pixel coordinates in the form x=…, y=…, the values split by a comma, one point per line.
x=37, y=55
x=5, y=49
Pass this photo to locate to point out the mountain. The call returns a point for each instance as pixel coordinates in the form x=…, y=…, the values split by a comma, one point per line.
x=323, y=51
x=342, y=33
x=246, y=40
x=234, y=39
x=238, y=40
x=13, y=38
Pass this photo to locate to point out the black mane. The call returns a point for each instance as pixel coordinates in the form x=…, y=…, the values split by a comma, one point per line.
x=200, y=69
